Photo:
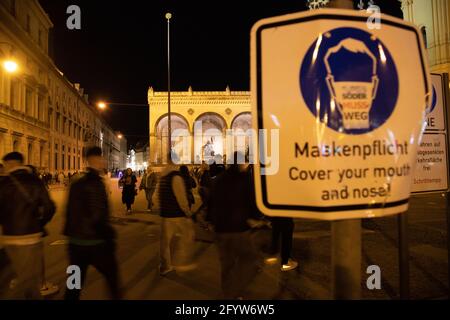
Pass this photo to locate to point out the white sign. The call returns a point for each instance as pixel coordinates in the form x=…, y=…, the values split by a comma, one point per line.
x=436, y=113
x=431, y=169
x=349, y=104
x=431, y=173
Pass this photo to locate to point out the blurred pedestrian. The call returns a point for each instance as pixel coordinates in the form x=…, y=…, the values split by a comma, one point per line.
x=205, y=182
x=26, y=208
x=189, y=183
x=61, y=178
x=129, y=191
x=91, y=236
x=148, y=184
x=232, y=211
x=175, y=220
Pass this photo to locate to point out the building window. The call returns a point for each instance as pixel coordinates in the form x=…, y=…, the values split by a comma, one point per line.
x=56, y=161
x=68, y=162
x=40, y=107
x=41, y=153
x=57, y=122
x=16, y=145
x=13, y=8
x=28, y=26
x=28, y=101
x=40, y=38
x=30, y=153
x=13, y=94
x=50, y=119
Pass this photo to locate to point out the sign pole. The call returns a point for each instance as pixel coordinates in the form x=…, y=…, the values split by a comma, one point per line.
x=403, y=255
x=346, y=240
x=447, y=110
x=346, y=259
x=448, y=239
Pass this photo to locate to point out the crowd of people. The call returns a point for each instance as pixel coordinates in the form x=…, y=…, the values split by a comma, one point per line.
x=220, y=198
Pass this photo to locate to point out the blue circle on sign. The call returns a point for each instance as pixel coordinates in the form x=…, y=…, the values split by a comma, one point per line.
x=349, y=81
x=433, y=100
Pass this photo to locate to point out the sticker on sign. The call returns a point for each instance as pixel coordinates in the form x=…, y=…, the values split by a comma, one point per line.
x=349, y=104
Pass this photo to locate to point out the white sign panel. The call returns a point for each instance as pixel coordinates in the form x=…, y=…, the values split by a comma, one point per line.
x=436, y=113
x=347, y=104
x=431, y=173
x=431, y=169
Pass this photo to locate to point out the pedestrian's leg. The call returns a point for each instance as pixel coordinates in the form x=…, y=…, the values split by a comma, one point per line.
x=274, y=249
x=185, y=250
x=167, y=233
x=78, y=256
x=247, y=261
x=104, y=260
x=286, y=239
x=227, y=263
x=27, y=264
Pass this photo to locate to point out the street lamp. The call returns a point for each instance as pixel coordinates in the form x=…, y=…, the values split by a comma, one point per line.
x=120, y=136
x=101, y=105
x=10, y=66
x=168, y=17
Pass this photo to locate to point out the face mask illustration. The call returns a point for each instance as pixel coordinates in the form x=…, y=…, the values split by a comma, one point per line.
x=352, y=81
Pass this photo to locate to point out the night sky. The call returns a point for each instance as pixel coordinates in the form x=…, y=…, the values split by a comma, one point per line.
x=121, y=49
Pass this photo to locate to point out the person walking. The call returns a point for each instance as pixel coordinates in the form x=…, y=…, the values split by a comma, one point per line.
x=175, y=220
x=92, y=239
x=282, y=227
x=148, y=184
x=189, y=183
x=128, y=181
x=26, y=208
x=232, y=211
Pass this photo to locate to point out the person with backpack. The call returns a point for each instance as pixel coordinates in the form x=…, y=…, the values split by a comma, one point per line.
x=26, y=208
x=148, y=184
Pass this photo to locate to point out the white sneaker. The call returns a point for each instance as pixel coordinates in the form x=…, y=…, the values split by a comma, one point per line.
x=291, y=265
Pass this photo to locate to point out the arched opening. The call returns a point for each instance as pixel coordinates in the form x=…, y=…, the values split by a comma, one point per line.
x=180, y=151
x=242, y=139
x=211, y=140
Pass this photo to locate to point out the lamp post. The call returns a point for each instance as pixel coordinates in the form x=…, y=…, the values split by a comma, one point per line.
x=169, y=159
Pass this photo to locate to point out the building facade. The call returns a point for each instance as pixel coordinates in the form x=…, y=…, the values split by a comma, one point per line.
x=42, y=114
x=433, y=19
x=203, y=119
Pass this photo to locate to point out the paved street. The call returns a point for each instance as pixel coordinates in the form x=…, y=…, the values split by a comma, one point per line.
x=138, y=254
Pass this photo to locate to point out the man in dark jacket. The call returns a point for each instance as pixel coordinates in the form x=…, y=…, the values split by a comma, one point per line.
x=91, y=236
x=232, y=211
x=26, y=208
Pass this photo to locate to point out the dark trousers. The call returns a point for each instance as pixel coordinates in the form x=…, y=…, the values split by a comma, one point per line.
x=282, y=228
x=239, y=262
x=101, y=257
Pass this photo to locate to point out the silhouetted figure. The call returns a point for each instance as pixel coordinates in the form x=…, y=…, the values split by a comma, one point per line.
x=129, y=191
x=148, y=184
x=25, y=209
x=175, y=221
x=91, y=236
x=231, y=209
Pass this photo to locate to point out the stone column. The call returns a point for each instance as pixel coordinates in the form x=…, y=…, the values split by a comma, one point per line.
x=441, y=43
